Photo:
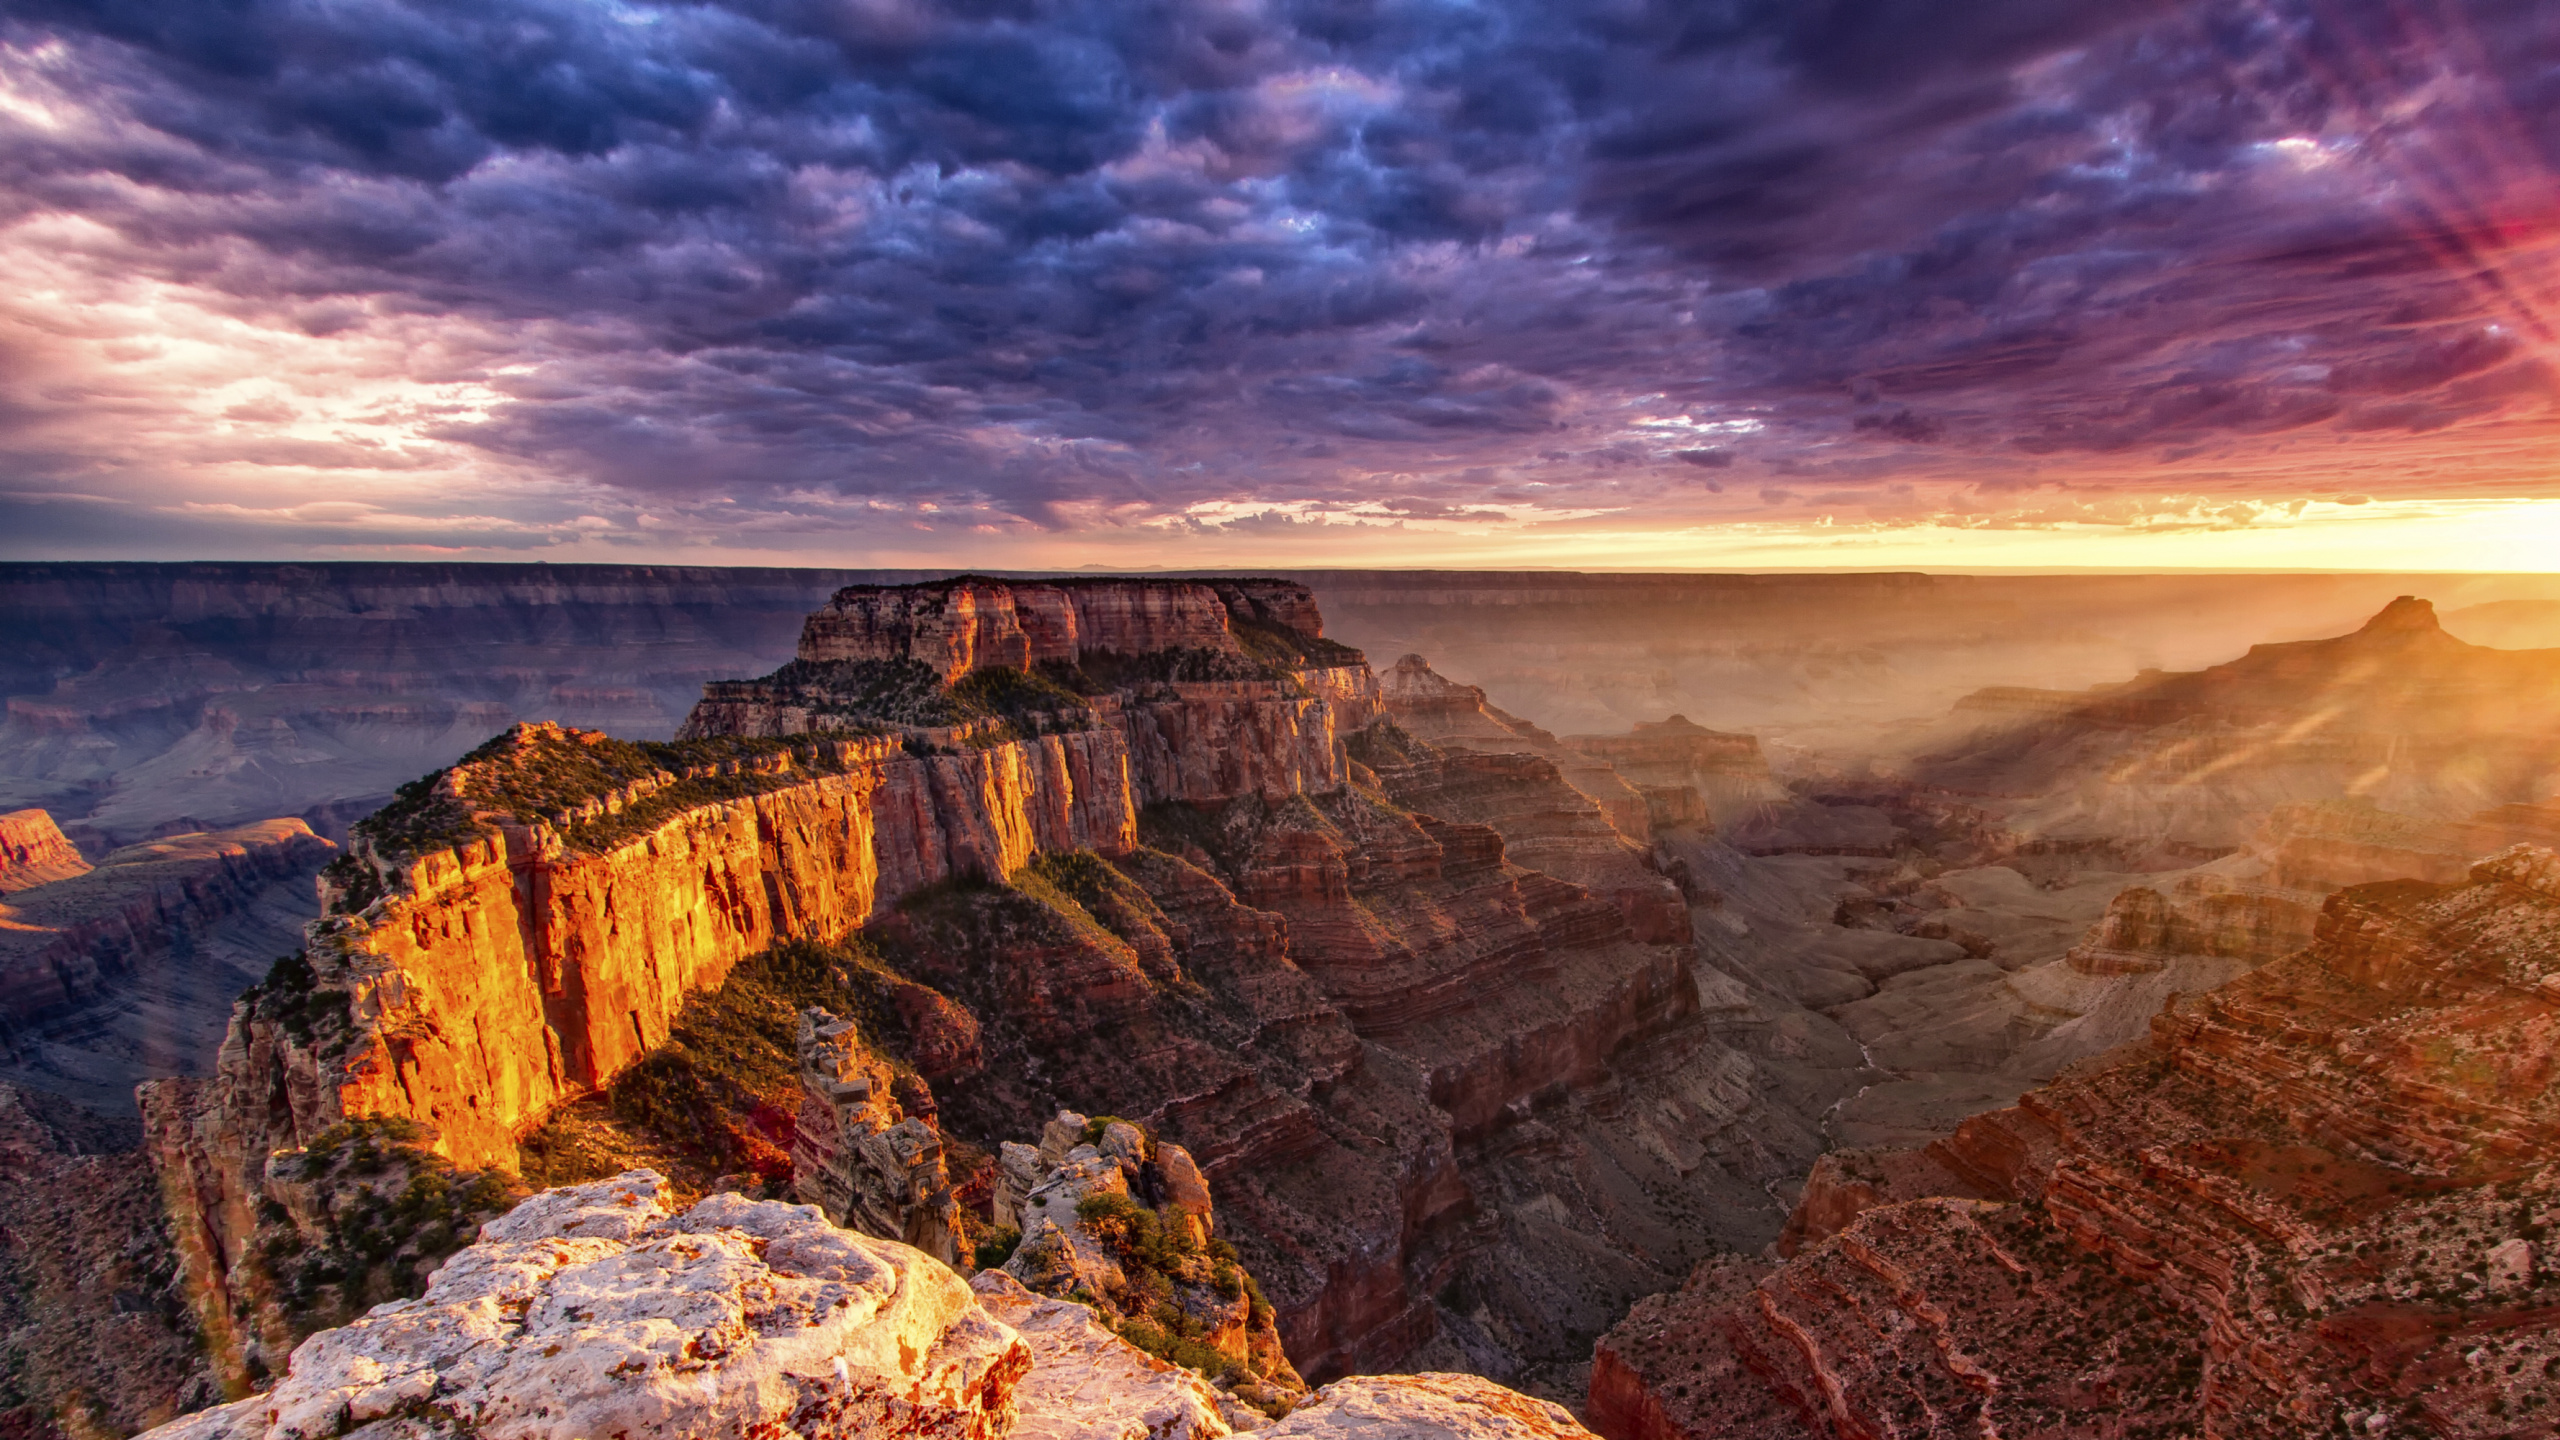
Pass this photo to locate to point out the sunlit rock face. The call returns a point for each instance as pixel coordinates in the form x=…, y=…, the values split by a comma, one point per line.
x=33, y=851
x=2313, y=1198
x=2399, y=713
x=1154, y=884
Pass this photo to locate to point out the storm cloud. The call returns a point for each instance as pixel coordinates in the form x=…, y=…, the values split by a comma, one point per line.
x=508, y=273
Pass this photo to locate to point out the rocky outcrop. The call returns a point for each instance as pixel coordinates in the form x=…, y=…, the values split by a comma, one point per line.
x=2202, y=914
x=601, y=1310
x=1726, y=770
x=33, y=852
x=67, y=943
x=1546, y=823
x=971, y=624
x=1125, y=1222
x=1461, y=720
x=1429, y=1406
x=858, y=1156
x=2313, y=1198
x=1086, y=1381
x=95, y=1334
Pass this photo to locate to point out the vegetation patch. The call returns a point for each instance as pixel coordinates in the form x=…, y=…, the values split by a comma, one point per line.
x=552, y=776
x=293, y=999
x=722, y=1096
x=376, y=1212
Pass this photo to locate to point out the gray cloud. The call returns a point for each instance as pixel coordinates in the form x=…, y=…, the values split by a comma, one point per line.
x=1039, y=261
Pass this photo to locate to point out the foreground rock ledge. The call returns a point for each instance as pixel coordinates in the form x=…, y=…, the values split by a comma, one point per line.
x=597, y=1311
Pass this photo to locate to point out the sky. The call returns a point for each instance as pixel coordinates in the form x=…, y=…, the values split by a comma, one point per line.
x=1010, y=284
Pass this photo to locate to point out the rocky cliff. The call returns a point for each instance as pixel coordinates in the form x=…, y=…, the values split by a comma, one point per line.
x=604, y=1309
x=95, y=1333
x=2314, y=1199
x=34, y=852
x=1452, y=1106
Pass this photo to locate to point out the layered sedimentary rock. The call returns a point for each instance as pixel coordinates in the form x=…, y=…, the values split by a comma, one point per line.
x=1728, y=771
x=1445, y=1100
x=95, y=1334
x=34, y=852
x=1126, y=1223
x=2398, y=712
x=2314, y=1198
x=66, y=943
x=858, y=1156
x=1459, y=718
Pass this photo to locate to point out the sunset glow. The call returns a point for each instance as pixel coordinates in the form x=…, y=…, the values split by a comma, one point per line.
x=2258, y=285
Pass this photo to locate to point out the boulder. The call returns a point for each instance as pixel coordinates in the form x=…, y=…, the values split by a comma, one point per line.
x=593, y=1310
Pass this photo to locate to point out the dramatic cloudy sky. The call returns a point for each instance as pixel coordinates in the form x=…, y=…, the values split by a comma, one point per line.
x=1126, y=282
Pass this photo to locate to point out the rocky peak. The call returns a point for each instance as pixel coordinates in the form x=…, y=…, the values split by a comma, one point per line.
x=2407, y=615
x=1412, y=681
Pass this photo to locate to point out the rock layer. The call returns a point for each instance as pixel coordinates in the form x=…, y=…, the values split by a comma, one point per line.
x=2314, y=1198
x=34, y=852
x=69, y=942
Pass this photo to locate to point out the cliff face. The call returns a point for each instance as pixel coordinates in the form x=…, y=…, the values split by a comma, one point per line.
x=1151, y=884
x=95, y=1336
x=2316, y=1197
x=34, y=852
x=966, y=625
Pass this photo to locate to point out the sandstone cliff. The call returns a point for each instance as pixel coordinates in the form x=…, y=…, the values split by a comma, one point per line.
x=34, y=852
x=2315, y=1197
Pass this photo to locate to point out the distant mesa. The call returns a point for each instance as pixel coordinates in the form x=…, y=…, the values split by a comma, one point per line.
x=34, y=852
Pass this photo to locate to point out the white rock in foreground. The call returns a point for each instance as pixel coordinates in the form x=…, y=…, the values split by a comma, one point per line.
x=1435, y=1406
x=591, y=1311
x=1089, y=1384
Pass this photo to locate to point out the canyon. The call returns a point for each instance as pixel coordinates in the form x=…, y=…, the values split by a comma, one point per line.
x=1481, y=1028
x=124, y=970
x=1392, y=1088
x=2315, y=1197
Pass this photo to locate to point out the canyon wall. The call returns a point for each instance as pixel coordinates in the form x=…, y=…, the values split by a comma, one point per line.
x=2316, y=1199
x=71, y=941
x=1180, y=899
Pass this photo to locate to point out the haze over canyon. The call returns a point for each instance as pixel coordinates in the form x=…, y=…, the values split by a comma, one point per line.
x=1676, y=1005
